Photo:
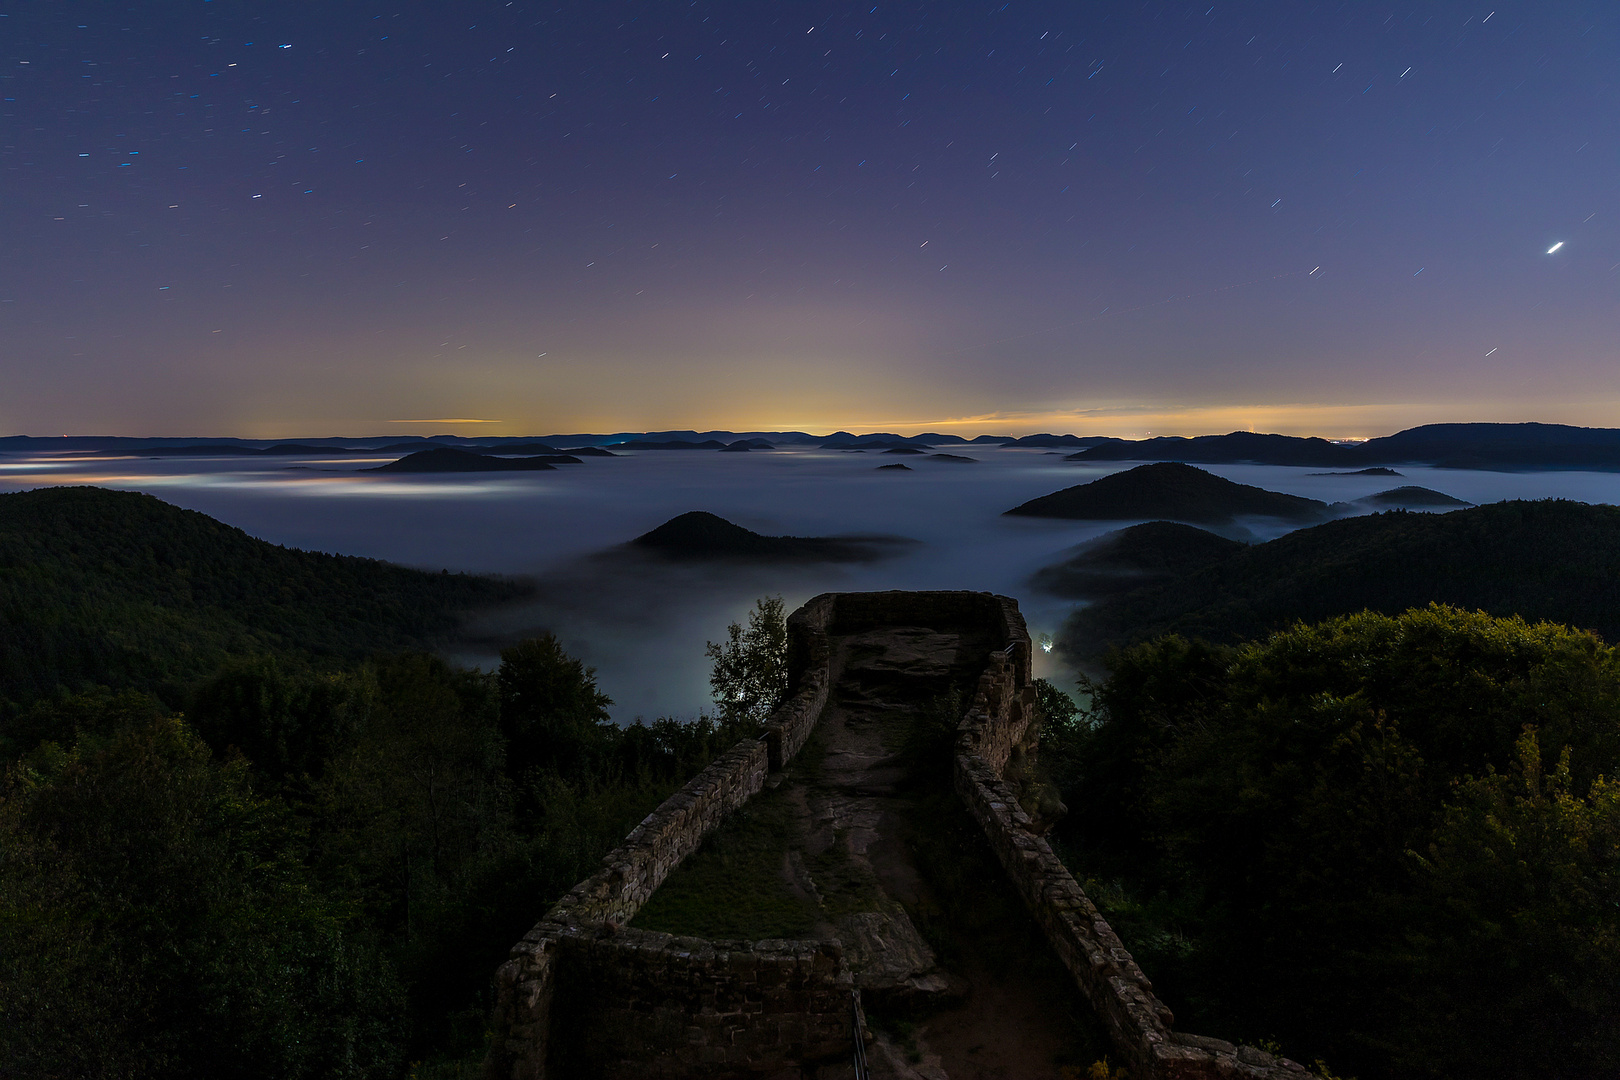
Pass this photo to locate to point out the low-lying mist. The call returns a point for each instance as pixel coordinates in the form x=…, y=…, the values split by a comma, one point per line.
x=642, y=621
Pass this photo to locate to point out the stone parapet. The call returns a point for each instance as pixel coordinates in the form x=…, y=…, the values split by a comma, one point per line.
x=661, y=1006
x=810, y=680
x=671, y=1025
x=1002, y=718
x=584, y=994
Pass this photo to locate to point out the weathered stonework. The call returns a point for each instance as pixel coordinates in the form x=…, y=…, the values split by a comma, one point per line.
x=661, y=1006
x=1001, y=719
x=585, y=994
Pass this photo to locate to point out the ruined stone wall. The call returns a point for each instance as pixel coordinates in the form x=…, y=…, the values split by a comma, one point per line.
x=670, y=1007
x=674, y=1007
x=851, y=612
x=810, y=680
x=626, y=1003
x=996, y=723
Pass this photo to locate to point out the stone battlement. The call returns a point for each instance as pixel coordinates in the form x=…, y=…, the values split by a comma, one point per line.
x=584, y=994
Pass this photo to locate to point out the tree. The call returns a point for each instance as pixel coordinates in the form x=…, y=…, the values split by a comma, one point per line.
x=157, y=920
x=1346, y=839
x=750, y=678
x=552, y=714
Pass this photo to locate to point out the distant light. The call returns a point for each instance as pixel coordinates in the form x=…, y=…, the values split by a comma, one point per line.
x=1555, y=247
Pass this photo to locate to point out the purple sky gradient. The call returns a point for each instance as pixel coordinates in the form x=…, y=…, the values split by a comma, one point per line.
x=1100, y=218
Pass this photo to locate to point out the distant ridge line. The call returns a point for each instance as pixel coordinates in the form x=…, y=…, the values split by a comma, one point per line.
x=1491, y=446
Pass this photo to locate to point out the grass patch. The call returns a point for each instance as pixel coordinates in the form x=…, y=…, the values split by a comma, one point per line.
x=846, y=886
x=736, y=885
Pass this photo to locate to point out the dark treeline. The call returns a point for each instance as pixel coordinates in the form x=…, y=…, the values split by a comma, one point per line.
x=250, y=827
x=1549, y=559
x=309, y=872
x=1387, y=842
x=118, y=589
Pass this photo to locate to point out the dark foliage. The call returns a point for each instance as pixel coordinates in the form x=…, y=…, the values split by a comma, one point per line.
x=1382, y=841
x=157, y=919
x=117, y=589
x=317, y=870
x=552, y=715
x=1133, y=557
x=1551, y=559
x=1411, y=497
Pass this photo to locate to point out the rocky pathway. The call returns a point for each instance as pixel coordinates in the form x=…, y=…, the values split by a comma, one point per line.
x=996, y=1006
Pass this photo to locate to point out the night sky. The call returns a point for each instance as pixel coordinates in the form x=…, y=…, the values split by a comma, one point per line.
x=239, y=218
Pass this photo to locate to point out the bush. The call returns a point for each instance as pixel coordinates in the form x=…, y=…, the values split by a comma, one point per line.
x=157, y=919
x=1319, y=822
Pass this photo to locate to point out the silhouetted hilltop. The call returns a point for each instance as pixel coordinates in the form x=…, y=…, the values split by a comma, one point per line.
x=904, y=450
x=896, y=465
x=843, y=440
x=189, y=450
x=698, y=535
x=1411, y=497
x=1045, y=440
x=1496, y=446
x=1133, y=557
x=519, y=449
x=1239, y=446
x=1376, y=470
x=588, y=451
x=122, y=589
x=1171, y=491
x=956, y=458
x=446, y=459
x=1460, y=446
x=1553, y=559
x=673, y=444
x=1478, y=446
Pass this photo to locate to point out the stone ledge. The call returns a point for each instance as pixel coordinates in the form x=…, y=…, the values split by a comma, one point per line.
x=997, y=722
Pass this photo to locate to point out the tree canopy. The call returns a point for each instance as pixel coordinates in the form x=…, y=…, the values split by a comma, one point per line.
x=1386, y=840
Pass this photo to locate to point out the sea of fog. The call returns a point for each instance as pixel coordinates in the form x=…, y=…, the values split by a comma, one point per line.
x=643, y=624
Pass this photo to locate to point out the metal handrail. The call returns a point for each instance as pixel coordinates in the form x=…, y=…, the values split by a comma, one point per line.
x=857, y=1034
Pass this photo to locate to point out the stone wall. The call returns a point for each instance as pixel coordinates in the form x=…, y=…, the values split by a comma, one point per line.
x=995, y=724
x=584, y=994
x=673, y=1007
x=852, y=612
x=810, y=676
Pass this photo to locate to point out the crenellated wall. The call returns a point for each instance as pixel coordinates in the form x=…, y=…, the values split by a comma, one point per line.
x=584, y=994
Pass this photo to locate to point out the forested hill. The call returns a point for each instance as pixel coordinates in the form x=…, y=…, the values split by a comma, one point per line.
x=1553, y=559
x=125, y=590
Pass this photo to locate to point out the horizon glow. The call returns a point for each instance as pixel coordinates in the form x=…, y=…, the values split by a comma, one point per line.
x=1036, y=217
